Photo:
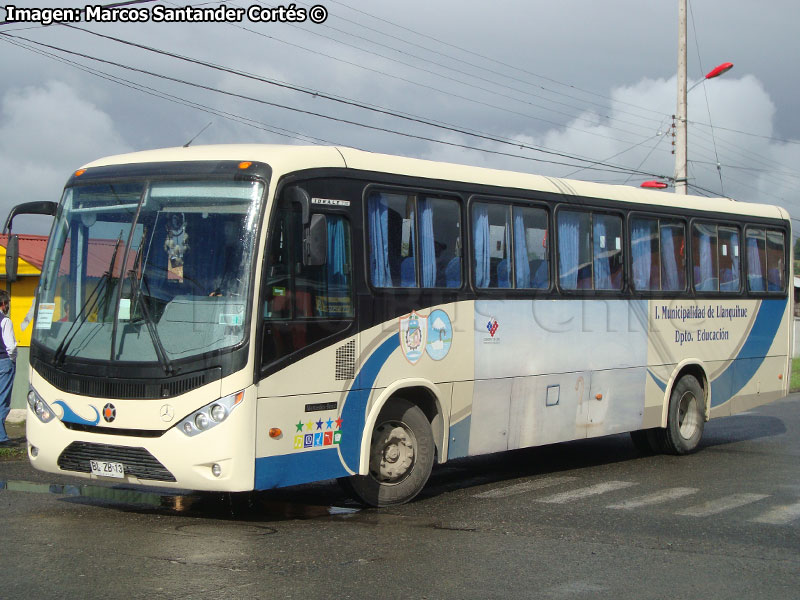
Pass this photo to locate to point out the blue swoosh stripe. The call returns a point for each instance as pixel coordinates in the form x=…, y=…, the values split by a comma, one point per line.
x=70, y=416
x=755, y=348
x=751, y=356
x=354, y=411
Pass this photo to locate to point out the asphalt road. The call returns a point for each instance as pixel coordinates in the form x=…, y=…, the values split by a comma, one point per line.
x=588, y=519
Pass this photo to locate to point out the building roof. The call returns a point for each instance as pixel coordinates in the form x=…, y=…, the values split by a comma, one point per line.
x=31, y=251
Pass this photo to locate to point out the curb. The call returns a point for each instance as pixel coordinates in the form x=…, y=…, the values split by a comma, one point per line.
x=17, y=415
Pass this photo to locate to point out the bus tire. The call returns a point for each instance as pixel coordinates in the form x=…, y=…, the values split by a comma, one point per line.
x=685, y=419
x=401, y=456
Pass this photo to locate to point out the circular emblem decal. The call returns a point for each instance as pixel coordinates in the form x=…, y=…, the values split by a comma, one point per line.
x=440, y=335
x=109, y=413
x=167, y=413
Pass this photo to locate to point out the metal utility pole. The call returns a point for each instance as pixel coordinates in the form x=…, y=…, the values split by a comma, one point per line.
x=680, y=116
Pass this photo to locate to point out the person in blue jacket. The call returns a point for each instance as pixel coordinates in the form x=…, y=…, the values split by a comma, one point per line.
x=8, y=365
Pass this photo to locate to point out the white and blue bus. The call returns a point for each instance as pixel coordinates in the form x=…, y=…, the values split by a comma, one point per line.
x=246, y=317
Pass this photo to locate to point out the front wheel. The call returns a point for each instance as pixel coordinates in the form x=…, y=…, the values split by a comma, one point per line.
x=401, y=456
x=686, y=417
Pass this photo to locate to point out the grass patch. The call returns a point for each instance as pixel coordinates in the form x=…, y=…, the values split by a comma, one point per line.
x=794, y=383
x=12, y=453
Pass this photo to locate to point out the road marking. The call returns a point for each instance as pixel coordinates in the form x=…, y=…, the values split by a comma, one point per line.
x=656, y=498
x=712, y=507
x=593, y=490
x=781, y=515
x=525, y=486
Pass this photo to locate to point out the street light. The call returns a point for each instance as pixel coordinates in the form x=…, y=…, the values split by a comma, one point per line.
x=715, y=72
x=655, y=185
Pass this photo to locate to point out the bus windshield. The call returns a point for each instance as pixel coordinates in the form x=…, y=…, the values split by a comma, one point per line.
x=143, y=271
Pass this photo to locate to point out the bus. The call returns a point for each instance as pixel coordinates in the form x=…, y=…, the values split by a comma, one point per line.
x=246, y=317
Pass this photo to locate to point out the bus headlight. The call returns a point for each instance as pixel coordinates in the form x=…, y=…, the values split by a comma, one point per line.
x=210, y=415
x=39, y=407
x=201, y=421
x=218, y=413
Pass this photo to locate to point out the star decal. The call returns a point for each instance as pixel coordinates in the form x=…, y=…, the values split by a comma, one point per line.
x=299, y=426
x=329, y=423
x=339, y=423
x=310, y=425
x=319, y=424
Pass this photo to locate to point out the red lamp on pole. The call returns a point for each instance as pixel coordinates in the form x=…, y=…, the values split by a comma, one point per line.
x=719, y=70
x=654, y=185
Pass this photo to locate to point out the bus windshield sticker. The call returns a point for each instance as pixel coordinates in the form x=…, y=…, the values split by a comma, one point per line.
x=44, y=318
x=413, y=336
x=440, y=335
x=231, y=320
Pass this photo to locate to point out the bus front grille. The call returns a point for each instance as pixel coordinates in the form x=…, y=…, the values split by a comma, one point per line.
x=137, y=462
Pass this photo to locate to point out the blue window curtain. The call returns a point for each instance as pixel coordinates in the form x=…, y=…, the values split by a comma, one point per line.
x=641, y=254
x=337, y=252
x=522, y=267
x=480, y=233
x=568, y=248
x=728, y=253
x=427, y=246
x=670, y=275
x=755, y=271
x=704, y=274
x=602, y=255
x=378, y=219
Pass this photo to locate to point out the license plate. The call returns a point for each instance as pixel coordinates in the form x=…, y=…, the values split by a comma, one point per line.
x=107, y=469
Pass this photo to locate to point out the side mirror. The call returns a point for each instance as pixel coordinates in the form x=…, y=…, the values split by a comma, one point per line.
x=12, y=258
x=315, y=241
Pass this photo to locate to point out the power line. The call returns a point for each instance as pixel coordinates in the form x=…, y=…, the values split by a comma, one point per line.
x=318, y=94
x=172, y=98
x=614, y=168
x=495, y=61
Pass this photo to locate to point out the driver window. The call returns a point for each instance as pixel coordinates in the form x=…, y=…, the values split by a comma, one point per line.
x=304, y=304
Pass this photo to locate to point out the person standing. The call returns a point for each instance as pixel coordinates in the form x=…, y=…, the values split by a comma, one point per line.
x=8, y=365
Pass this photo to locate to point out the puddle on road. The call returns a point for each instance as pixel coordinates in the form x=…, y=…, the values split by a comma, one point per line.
x=207, y=504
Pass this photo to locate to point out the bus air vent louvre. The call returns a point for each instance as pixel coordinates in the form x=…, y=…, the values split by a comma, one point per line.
x=346, y=361
x=137, y=462
x=126, y=389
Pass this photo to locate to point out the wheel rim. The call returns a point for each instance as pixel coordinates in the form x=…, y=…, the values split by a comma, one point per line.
x=688, y=415
x=394, y=449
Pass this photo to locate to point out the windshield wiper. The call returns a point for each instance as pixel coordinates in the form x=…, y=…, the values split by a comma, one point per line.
x=83, y=314
x=137, y=298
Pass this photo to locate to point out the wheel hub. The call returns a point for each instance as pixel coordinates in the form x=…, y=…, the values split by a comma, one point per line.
x=688, y=415
x=393, y=452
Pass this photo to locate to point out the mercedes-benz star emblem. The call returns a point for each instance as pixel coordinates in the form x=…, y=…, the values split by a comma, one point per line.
x=109, y=413
x=167, y=413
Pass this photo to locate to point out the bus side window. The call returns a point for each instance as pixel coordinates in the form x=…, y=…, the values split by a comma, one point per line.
x=531, y=265
x=756, y=259
x=392, y=240
x=704, y=257
x=303, y=303
x=775, y=261
x=574, y=250
x=491, y=233
x=672, y=235
x=728, y=259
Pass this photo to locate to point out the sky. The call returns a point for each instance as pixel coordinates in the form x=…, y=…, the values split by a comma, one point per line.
x=575, y=88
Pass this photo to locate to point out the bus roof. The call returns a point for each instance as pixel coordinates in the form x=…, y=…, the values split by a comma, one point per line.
x=288, y=158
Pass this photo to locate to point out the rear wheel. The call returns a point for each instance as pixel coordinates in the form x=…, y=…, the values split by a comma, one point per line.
x=685, y=419
x=400, y=458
